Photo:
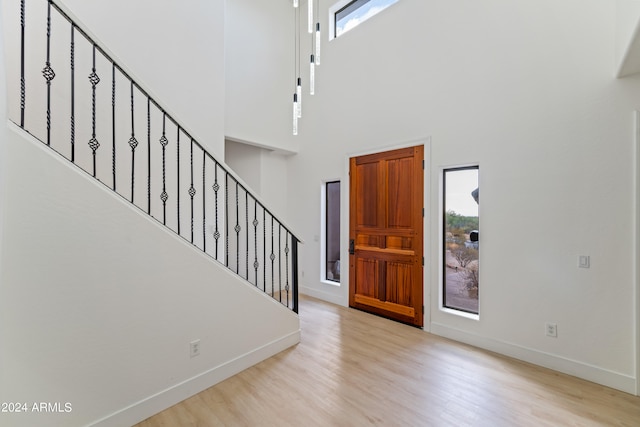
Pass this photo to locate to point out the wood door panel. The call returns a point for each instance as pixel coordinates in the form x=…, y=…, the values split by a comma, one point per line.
x=367, y=198
x=399, y=283
x=367, y=270
x=399, y=180
x=386, y=199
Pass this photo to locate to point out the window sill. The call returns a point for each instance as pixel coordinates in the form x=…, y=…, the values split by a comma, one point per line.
x=460, y=313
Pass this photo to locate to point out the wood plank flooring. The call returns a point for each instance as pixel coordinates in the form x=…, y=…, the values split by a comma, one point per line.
x=355, y=369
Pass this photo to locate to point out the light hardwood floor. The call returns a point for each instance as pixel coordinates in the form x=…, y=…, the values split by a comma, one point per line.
x=355, y=369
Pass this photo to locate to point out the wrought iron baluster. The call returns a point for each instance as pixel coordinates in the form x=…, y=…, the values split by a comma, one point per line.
x=286, y=266
x=204, y=201
x=256, y=264
x=72, y=55
x=148, y=155
x=237, y=229
x=163, y=142
x=133, y=143
x=246, y=233
x=23, y=86
x=178, y=178
x=94, y=79
x=294, y=272
x=192, y=190
x=48, y=74
x=272, y=257
x=226, y=217
x=279, y=262
x=216, y=187
x=264, y=249
x=113, y=123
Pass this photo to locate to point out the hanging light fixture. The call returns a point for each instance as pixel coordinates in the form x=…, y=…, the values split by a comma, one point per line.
x=312, y=76
x=310, y=22
x=295, y=3
x=299, y=93
x=317, y=43
x=295, y=113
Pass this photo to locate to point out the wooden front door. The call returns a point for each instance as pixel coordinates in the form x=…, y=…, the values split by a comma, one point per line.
x=386, y=234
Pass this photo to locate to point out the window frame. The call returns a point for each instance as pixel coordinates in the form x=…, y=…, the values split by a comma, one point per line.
x=341, y=6
x=443, y=246
x=324, y=255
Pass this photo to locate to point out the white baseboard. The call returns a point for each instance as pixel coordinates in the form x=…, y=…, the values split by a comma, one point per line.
x=575, y=368
x=325, y=296
x=145, y=408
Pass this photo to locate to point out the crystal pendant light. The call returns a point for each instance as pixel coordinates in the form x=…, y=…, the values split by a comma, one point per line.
x=295, y=3
x=310, y=16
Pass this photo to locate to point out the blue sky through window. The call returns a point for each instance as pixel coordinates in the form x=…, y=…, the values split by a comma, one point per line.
x=360, y=14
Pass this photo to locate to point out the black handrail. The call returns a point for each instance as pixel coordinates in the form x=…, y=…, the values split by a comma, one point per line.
x=116, y=115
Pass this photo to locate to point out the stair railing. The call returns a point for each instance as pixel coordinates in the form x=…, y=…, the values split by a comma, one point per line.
x=78, y=101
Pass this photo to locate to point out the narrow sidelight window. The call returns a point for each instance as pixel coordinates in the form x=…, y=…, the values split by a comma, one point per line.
x=461, y=245
x=332, y=231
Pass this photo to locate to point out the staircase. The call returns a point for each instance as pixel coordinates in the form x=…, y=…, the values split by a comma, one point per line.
x=124, y=240
x=90, y=111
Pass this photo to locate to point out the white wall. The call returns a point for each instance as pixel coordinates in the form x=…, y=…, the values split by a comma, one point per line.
x=176, y=50
x=526, y=90
x=260, y=72
x=103, y=302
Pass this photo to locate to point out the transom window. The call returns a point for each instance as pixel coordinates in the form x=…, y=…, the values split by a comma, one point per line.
x=348, y=14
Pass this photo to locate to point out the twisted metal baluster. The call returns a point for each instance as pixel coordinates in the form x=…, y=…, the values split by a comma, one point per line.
x=279, y=262
x=49, y=75
x=94, y=79
x=272, y=257
x=264, y=249
x=216, y=187
x=113, y=123
x=73, y=96
x=246, y=225
x=204, y=202
x=286, y=266
x=178, y=183
x=256, y=264
x=23, y=86
x=237, y=229
x=226, y=217
x=133, y=143
x=163, y=142
x=192, y=190
x=148, y=155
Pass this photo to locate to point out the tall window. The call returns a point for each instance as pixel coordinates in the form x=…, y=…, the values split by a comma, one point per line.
x=332, y=231
x=461, y=243
x=347, y=14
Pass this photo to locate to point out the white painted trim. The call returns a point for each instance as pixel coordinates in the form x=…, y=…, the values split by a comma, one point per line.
x=145, y=408
x=575, y=368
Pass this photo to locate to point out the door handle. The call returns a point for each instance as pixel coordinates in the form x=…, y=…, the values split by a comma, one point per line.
x=352, y=248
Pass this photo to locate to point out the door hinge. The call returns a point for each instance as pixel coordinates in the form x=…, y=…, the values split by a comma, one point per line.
x=423, y=261
x=423, y=309
x=422, y=212
x=422, y=164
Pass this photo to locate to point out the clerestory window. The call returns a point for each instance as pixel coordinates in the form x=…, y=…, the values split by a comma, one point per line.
x=348, y=14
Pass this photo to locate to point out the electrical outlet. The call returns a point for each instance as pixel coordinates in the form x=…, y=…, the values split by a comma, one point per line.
x=194, y=348
x=551, y=330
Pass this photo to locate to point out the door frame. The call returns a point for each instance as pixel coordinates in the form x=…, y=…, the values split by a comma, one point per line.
x=427, y=225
